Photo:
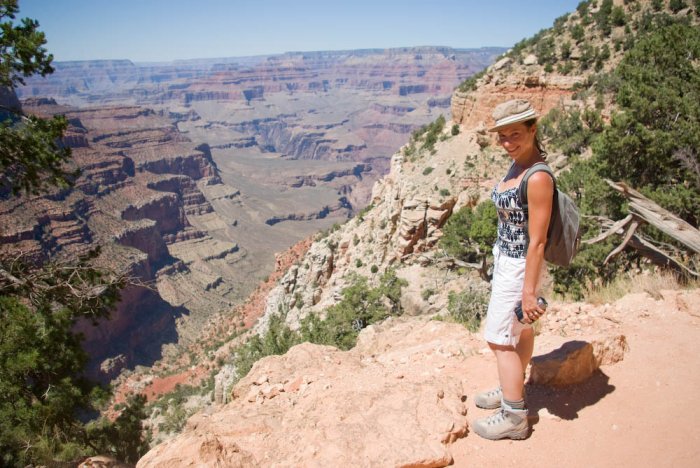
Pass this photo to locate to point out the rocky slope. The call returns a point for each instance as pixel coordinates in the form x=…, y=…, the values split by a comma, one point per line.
x=404, y=395
x=400, y=230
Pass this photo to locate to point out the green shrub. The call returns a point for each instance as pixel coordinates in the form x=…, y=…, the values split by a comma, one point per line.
x=469, y=234
x=582, y=8
x=565, y=50
x=360, y=307
x=444, y=192
x=277, y=340
x=545, y=50
x=455, y=130
x=426, y=293
x=427, y=170
x=470, y=83
x=659, y=115
x=361, y=214
x=617, y=16
x=677, y=5
x=577, y=33
x=569, y=131
x=122, y=439
x=468, y=307
x=374, y=269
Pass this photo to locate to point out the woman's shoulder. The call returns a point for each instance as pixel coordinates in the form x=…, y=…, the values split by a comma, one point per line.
x=540, y=183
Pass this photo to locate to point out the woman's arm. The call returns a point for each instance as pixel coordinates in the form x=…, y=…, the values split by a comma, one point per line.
x=540, y=193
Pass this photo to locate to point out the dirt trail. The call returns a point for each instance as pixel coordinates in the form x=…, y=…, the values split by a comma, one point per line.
x=638, y=412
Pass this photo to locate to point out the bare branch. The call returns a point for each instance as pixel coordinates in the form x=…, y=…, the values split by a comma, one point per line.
x=658, y=217
x=613, y=230
x=628, y=235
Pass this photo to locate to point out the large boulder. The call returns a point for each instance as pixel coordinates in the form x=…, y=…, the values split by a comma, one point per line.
x=576, y=360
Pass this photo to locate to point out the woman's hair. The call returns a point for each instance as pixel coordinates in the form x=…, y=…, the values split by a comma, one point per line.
x=538, y=143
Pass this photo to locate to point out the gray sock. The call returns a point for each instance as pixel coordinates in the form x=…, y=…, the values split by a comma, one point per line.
x=518, y=405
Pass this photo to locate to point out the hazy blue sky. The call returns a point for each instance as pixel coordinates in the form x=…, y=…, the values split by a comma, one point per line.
x=161, y=30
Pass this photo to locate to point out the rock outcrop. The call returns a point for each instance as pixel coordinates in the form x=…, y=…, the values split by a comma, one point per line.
x=393, y=400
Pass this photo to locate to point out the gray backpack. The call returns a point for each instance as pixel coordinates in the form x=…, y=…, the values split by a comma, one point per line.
x=564, y=234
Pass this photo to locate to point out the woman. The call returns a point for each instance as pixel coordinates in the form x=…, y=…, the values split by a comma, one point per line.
x=518, y=266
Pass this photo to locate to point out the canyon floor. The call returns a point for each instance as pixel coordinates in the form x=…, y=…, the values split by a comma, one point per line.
x=394, y=399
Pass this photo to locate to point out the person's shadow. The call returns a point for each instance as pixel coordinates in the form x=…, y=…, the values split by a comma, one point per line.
x=566, y=402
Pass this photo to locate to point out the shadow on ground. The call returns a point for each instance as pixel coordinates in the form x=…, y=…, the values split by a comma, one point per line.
x=566, y=402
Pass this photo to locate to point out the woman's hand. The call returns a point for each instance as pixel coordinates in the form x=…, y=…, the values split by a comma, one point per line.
x=531, y=311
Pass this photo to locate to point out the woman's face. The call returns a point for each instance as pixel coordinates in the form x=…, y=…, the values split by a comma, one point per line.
x=518, y=140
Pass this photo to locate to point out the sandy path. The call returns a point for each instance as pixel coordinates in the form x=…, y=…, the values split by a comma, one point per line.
x=638, y=412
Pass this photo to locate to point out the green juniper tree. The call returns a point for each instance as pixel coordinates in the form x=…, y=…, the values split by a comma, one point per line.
x=44, y=396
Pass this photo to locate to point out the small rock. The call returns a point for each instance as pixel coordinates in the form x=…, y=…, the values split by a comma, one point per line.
x=293, y=385
x=502, y=63
x=530, y=60
x=261, y=380
x=544, y=413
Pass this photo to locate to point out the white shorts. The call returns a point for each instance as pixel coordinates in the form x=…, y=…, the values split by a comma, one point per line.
x=502, y=326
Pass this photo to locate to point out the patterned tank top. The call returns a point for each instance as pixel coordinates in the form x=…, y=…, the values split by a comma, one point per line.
x=512, y=232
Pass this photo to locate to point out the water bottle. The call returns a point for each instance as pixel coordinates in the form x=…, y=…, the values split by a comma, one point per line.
x=519, y=308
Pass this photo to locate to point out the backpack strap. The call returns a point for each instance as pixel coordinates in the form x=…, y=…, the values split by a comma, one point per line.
x=522, y=190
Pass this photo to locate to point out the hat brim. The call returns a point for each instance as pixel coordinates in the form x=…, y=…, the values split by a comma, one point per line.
x=513, y=119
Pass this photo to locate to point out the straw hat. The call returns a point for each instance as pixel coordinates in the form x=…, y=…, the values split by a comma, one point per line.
x=510, y=112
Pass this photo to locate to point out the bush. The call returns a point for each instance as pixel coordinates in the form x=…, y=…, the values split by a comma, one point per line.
x=123, y=439
x=277, y=340
x=426, y=293
x=470, y=83
x=677, y=5
x=455, y=130
x=617, y=16
x=659, y=116
x=427, y=170
x=359, y=307
x=468, y=307
x=469, y=235
x=546, y=51
x=569, y=131
x=565, y=50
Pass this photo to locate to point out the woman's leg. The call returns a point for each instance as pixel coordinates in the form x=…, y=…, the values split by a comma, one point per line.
x=525, y=346
x=512, y=362
x=510, y=371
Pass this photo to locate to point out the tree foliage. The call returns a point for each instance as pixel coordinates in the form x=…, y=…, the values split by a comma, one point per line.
x=44, y=396
x=360, y=306
x=22, y=51
x=469, y=234
x=652, y=141
x=31, y=156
